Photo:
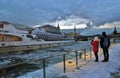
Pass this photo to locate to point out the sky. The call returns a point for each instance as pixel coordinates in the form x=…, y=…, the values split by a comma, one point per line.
x=87, y=69
x=67, y=12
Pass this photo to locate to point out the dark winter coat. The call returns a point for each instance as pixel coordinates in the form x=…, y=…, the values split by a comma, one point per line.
x=102, y=40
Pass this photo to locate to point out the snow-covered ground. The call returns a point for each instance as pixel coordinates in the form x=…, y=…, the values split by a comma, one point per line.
x=87, y=69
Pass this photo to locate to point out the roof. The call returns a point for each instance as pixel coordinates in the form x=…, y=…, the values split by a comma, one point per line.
x=51, y=26
x=3, y=22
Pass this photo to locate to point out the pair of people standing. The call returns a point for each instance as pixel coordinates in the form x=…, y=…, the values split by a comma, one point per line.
x=104, y=43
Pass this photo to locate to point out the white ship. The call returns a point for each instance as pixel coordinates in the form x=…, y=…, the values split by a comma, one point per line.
x=50, y=33
x=12, y=39
x=10, y=36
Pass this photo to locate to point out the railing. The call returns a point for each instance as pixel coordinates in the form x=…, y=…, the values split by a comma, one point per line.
x=77, y=55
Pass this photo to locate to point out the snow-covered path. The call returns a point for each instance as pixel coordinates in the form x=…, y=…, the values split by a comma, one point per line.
x=99, y=69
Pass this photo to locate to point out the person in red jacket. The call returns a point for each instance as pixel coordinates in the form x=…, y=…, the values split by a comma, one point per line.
x=95, y=45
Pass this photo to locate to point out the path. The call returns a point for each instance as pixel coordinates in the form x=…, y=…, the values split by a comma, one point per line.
x=100, y=69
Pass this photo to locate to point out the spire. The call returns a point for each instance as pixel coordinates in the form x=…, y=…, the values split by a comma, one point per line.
x=75, y=30
x=115, y=30
x=58, y=26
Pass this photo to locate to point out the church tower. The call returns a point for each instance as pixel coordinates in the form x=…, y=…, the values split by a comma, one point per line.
x=115, y=30
x=58, y=26
x=75, y=30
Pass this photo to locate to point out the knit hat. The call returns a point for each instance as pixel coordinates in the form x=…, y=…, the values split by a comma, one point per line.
x=96, y=39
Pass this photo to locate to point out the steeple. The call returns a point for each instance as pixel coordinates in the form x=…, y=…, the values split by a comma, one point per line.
x=75, y=30
x=115, y=30
x=58, y=26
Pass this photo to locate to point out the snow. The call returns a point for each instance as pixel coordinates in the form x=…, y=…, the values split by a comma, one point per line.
x=86, y=69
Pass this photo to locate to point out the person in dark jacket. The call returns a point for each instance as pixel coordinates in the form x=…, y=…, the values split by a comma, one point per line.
x=105, y=40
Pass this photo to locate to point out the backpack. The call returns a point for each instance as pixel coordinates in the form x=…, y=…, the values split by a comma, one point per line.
x=105, y=42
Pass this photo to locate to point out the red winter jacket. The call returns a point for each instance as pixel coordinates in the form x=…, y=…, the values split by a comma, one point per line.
x=95, y=45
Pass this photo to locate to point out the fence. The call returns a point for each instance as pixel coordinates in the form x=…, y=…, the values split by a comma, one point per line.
x=76, y=55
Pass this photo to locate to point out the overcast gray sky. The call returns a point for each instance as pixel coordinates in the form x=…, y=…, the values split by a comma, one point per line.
x=33, y=12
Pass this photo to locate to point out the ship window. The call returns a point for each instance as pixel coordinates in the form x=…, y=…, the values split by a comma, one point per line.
x=1, y=25
x=29, y=36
